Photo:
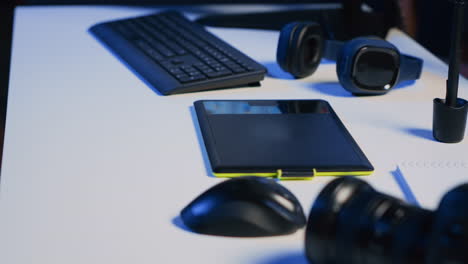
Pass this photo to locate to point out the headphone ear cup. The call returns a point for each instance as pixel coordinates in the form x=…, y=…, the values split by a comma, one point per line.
x=282, y=51
x=347, y=58
x=300, y=48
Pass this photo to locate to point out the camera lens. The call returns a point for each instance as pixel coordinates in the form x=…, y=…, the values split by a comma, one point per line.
x=448, y=241
x=350, y=222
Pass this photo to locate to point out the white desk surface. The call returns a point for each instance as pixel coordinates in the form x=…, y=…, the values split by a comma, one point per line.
x=97, y=166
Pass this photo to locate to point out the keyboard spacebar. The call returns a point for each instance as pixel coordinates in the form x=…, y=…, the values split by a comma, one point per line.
x=216, y=74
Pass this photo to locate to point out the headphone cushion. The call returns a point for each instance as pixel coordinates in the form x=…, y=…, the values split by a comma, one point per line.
x=285, y=38
x=292, y=43
x=345, y=60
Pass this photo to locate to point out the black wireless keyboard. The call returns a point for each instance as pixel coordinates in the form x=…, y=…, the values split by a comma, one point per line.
x=176, y=55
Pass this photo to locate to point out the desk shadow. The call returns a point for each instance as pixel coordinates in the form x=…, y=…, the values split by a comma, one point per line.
x=275, y=71
x=422, y=133
x=286, y=258
x=331, y=88
x=405, y=84
x=201, y=143
x=405, y=188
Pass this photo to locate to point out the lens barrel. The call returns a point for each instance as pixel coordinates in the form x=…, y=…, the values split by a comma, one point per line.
x=350, y=222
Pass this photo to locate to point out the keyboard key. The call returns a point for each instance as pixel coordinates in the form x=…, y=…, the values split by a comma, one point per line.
x=238, y=69
x=175, y=71
x=221, y=68
x=207, y=70
x=217, y=74
x=177, y=61
x=192, y=78
x=195, y=73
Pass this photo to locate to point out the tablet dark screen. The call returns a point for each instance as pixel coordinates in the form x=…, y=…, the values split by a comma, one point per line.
x=267, y=135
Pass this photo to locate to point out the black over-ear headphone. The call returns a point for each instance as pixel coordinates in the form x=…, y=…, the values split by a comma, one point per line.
x=365, y=65
x=300, y=48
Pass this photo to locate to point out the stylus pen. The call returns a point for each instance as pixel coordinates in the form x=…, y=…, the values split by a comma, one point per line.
x=455, y=53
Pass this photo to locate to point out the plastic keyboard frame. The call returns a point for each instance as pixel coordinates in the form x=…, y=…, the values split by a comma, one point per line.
x=154, y=73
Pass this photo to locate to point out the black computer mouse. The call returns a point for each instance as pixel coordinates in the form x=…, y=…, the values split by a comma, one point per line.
x=245, y=207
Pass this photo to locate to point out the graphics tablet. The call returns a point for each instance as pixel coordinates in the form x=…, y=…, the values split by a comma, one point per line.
x=287, y=139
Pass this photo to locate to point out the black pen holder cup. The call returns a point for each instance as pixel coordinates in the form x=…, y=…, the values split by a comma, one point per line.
x=448, y=124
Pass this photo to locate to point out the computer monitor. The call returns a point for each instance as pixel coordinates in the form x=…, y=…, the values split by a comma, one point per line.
x=342, y=19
